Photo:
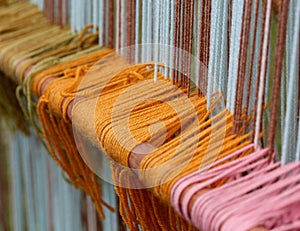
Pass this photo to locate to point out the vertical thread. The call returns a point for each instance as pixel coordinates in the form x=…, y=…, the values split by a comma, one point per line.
x=212, y=47
x=278, y=67
x=59, y=12
x=197, y=47
x=204, y=43
x=262, y=74
x=65, y=4
x=101, y=22
x=250, y=75
x=144, y=31
x=259, y=64
x=167, y=37
x=156, y=37
x=242, y=67
x=117, y=25
x=149, y=29
x=110, y=24
x=190, y=22
x=105, y=28
x=137, y=31
x=128, y=29
x=291, y=84
x=172, y=39
x=176, y=38
x=95, y=15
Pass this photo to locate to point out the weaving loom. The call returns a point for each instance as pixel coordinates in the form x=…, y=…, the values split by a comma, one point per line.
x=150, y=115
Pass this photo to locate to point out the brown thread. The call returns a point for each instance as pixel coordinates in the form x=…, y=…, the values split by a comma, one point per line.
x=189, y=42
x=105, y=24
x=242, y=66
x=229, y=33
x=120, y=24
x=204, y=42
x=250, y=75
x=133, y=19
x=239, y=76
x=183, y=42
x=259, y=65
x=64, y=12
x=129, y=25
x=279, y=52
x=176, y=38
x=51, y=11
x=59, y=12
x=110, y=24
x=276, y=5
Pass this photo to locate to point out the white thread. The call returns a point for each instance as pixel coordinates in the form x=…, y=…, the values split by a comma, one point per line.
x=292, y=80
x=149, y=30
x=95, y=18
x=294, y=111
x=232, y=60
x=89, y=14
x=162, y=32
x=78, y=18
x=172, y=39
x=81, y=12
x=167, y=40
x=156, y=38
x=117, y=41
x=236, y=42
x=101, y=22
x=218, y=58
x=16, y=183
x=223, y=52
x=144, y=31
x=262, y=73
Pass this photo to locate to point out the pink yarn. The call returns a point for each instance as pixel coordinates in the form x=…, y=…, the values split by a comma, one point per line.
x=253, y=201
x=254, y=209
x=216, y=197
x=257, y=193
x=197, y=181
x=199, y=176
x=295, y=226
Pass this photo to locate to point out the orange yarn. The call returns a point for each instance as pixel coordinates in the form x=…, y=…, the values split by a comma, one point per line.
x=63, y=81
x=142, y=115
x=67, y=69
x=211, y=139
x=141, y=210
x=57, y=129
